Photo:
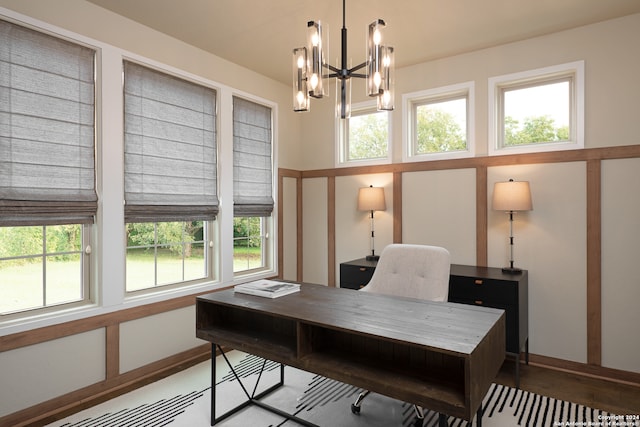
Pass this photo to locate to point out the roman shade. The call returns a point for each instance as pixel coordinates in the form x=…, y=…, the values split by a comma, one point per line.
x=170, y=147
x=252, y=170
x=47, y=136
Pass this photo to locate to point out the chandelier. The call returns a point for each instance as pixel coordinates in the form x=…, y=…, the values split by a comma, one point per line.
x=311, y=69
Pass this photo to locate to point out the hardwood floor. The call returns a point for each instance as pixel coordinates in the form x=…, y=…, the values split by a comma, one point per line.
x=610, y=396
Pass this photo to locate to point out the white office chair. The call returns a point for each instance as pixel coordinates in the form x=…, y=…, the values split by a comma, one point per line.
x=414, y=271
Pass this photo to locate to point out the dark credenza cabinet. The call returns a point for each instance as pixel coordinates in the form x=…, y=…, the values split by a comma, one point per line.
x=484, y=286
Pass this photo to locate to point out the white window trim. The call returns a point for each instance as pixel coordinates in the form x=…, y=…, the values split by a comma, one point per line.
x=573, y=69
x=441, y=93
x=340, y=138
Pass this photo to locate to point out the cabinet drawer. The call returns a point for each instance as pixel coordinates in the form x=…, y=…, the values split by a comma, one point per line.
x=511, y=319
x=355, y=276
x=486, y=290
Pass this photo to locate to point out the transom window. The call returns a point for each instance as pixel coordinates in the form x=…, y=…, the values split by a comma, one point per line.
x=364, y=138
x=438, y=123
x=539, y=110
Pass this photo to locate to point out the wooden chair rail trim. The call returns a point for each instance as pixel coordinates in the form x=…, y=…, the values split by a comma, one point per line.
x=36, y=336
x=605, y=153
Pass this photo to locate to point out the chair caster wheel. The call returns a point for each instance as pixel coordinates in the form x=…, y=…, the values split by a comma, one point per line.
x=355, y=409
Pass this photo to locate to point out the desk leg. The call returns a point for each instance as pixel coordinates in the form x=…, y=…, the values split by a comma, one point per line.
x=253, y=398
x=517, y=371
x=479, y=415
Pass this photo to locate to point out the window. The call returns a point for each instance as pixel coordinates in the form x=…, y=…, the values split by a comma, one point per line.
x=42, y=266
x=164, y=253
x=363, y=138
x=252, y=185
x=539, y=110
x=170, y=178
x=249, y=239
x=48, y=199
x=438, y=123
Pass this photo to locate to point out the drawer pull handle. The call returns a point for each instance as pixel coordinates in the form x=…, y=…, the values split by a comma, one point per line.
x=478, y=302
x=478, y=282
x=363, y=269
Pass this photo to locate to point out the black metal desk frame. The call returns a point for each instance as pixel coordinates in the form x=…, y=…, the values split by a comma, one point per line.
x=252, y=398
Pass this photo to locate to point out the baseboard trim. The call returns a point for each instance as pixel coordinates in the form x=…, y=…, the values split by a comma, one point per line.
x=61, y=406
x=584, y=369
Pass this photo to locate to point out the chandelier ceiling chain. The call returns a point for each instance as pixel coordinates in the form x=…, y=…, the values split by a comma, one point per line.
x=309, y=65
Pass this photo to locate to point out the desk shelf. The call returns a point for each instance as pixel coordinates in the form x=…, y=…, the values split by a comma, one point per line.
x=251, y=332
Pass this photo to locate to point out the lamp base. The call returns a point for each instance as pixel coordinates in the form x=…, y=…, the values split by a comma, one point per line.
x=512, y=270
x=372, y=257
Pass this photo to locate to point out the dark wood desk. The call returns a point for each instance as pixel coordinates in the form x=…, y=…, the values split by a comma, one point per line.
x=442, y=356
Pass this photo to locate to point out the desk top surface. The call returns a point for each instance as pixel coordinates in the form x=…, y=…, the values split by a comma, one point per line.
x=448, y=327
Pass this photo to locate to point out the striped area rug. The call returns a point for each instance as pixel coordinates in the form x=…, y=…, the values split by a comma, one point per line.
x=312, y=397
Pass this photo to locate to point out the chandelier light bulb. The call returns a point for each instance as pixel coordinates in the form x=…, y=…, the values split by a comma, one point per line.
x=300, y=61
x=300, y=97
x=377, y=37
x=386, y=96
x=313, y=81
x=377, y=79
x=314, y=39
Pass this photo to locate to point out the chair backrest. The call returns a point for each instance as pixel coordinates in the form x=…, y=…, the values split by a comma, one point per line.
x=415, y=271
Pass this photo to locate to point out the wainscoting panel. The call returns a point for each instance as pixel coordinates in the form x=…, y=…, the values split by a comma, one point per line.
x=39, y=372
x=549, y=242
x=439, y=208
x=152, y=338
x=620, y=249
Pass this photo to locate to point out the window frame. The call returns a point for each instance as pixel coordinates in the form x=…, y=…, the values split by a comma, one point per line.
x=411, y=101
x=208, y=247
x=342, y=137
x=85, y=273
x=571, y=71
x=267, y=250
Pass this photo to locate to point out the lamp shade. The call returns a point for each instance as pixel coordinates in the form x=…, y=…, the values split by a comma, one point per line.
x=512, y=196
x=371, y=199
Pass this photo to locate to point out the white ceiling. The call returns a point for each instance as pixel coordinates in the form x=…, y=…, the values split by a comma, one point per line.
x=260, y=34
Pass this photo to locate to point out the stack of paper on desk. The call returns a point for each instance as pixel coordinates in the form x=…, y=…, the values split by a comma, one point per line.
x=267, y=288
